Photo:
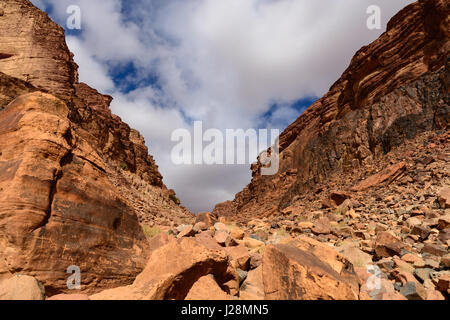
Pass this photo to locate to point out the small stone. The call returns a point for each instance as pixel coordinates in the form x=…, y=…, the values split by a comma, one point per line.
x=255, y=260
x=443, y=283
x=444, y=222
x=414, y=260
x=242, y=275
x=224, y=239
x=423, y=274
x=434, y=249
x=430, y=263
x=444, y=236
x=412, y=222
x=403, y=276
x=444, y=198
x=421, y=231
x=386, y=264
x=404, y=266
x=256, y=237
x=304, y=225
x=321, y=226
x=200, y=226
x=445, y=261
x=414, y=291
x=387, y=245
x=398, y=286
x=219, y=226
x=237, y=233
x=188, y=231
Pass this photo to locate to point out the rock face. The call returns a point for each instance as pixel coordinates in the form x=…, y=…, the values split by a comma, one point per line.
x=394, y=89
x=75, y=181
x=33, y=49
x=58, y=205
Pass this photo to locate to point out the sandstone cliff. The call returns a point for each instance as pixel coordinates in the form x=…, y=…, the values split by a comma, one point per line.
x=394, y=89
x=75, y=181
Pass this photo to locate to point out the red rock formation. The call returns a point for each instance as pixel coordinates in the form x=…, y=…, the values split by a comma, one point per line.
x=394, y=88
x=33, y=49
x=75, y=181
x=58, y=204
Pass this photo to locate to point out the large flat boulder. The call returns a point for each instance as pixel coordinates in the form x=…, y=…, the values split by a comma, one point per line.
x=172, y=271
x=291, y=273
x=21, y=287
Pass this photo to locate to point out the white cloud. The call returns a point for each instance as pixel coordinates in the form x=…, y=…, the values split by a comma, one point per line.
x=90, y=70
x=223, y=62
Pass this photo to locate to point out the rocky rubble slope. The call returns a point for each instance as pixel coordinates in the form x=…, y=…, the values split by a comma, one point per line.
x=380, y=234
x=75, y=181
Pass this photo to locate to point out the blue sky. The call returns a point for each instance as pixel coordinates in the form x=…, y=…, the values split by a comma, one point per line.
x=232, y=64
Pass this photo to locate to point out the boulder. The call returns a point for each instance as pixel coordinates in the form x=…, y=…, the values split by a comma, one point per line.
x=207, y=218
x=357, y=257
x=414, y=291
x=206, y=288
x=290, y=273
x=21, y=287
x=389, y=173
x=224, y=239
x=387, y=245
x=219, y=226
x=237, y=234
x=187, y=231
x=321, y=226
x=443, y=283
x=239, y=257
x=377, y=288
x=444, y=222
x=172, y=271
x=253, y=244
x=338, y=197
x=444, y=197
x=200, y=226
x=323, y=252
x=421, y=231
x=205, y=239
x=255, y=260
x=433, y=294
x=435, y=249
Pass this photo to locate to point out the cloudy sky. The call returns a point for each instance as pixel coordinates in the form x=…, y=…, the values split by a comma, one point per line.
x=231, y=64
